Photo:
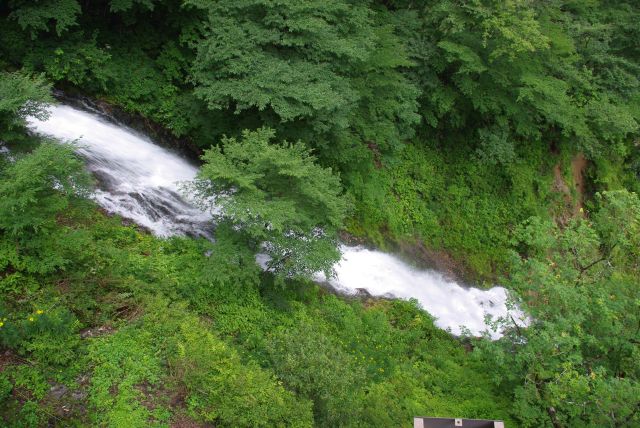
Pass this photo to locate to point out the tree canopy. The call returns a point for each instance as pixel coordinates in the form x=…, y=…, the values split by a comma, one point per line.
x=306, y=62
x=21, y=96
x=579, y=286
x=34, y=191
x=277, y=195
x=517, y=72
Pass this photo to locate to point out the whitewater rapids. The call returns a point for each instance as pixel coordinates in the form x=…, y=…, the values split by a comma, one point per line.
x=140, y=181
x=137, y=179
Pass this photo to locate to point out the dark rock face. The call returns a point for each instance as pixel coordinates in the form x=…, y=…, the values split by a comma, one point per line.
x=362, y=293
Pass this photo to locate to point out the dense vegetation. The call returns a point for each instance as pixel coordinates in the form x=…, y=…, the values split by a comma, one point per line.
x=500, y=134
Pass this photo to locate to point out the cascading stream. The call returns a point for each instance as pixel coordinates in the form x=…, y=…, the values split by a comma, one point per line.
x=140, y=181
x=137, y=179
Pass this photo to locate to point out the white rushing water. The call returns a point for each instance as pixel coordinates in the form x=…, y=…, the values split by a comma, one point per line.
x=139, y=180
x=453, y=306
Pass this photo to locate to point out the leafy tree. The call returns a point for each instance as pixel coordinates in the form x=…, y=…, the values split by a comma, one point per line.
x=38, y=15
x=330, y=67
x=577, y=363
x=21, y=96
x=257, y=55
x=311, y=365
x=512, y=73
x=77, y=60
x=34, y=191
x=125, y=5
x=277, y=196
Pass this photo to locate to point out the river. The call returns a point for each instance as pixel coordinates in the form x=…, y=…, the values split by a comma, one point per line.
x=140, y=180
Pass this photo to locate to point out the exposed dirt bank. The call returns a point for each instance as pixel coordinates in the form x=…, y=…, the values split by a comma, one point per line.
x=578, y=167
x=573, y=201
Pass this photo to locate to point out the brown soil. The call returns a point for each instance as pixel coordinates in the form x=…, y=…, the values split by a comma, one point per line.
x=573, y=207
x=373, y=147
x=578, y=167
x=183, y=421
x=558, y=181
x=176, y=397
x=63, y=403
x=7, y=358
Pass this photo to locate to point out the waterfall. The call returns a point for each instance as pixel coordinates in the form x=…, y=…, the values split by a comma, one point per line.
x=140, y=181
x=136, y=178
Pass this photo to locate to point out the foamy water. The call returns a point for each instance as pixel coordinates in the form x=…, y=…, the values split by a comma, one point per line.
x=137, y=179
x=140, y=180
x=453, y=306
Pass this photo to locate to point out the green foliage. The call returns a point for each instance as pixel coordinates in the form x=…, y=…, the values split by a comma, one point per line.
x=225, y=391
x=445, y=119
x=314, y=367
x=333, y=66
x=77, y=59
x=279, y=196
x=238, y=62
x=452, y=201
x=38, y=15
x=579, y=285
x=622, y=242
x=498, y=82
x=37, y=187
x=142, y=350
x=123, y=363
x=41, y=348
x=29, y=415
x=222, y=321
x=516, y=73
x=152, y=87
x=34, y=192
x=20, y=97
x=5, y=387
x=125, y=5
x=128, y=378
x=51, y=337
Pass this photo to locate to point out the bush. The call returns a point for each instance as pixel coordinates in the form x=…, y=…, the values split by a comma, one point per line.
x=49, y=337
x=34, y=191
x=122, y=363
x=227, y=392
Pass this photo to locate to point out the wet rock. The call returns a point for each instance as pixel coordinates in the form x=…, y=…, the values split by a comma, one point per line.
x=79, y=395
x=57, y=391
x=362, y=292
x=93, y=332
